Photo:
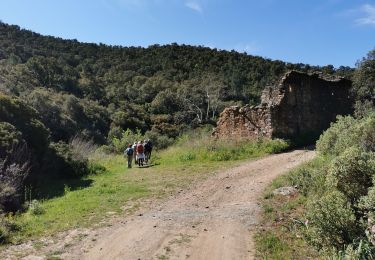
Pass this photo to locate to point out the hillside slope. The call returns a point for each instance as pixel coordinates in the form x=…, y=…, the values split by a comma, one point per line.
x=96, y=89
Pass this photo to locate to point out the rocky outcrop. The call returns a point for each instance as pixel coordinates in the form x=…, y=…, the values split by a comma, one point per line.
x=299, y=105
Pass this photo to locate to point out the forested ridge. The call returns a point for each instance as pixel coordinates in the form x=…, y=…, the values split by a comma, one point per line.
x=94, y=88
x=55, y=93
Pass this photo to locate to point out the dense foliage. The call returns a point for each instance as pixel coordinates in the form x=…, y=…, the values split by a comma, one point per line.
x=96, y=89
x=340, y=190
x=27, y=156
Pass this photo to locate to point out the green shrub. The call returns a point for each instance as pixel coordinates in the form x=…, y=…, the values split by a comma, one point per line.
x=4, y=235
x=26, y=120
x=67, y=163
x=332, y=222
x=363, y=250
x=368, y=134
x=9, y=137
x=352, y=173
x=348, y=132
x=340, y=136
x=367, y=203
x=364, y=108
x=189, y=156
x=36, y=208
x=119, y=144
x=273, y=146
x=159, y=141
x=310, y=178
x=7, y=227
x=95, y=168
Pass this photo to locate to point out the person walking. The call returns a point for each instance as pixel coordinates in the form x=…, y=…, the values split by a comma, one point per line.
x=140, y=153
x=148, y=150
x=129, y=152
x=135, y=152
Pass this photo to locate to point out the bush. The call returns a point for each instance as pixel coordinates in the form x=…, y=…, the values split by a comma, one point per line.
x=352, y=172
x=4, y=235
x=26, y=120
x=311, y=177
x=340, y=136
x=67, y=163
x=274, y=146
x=81, y=147
x=348, y=132
x=160, y=141
x=13, y=172
x=368, y=134
x=95, y=168
x=332, y=222
x=9, y=137
x=7, y=227
x=364, y=108
x=36, y=208
x=127, y=137
x=367, y=203
x=362, y=250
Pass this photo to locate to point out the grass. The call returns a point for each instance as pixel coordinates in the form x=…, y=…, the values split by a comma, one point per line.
x=280, y=234
x=121, y=191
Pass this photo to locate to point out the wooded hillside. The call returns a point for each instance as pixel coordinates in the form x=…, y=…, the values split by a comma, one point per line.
x=96, y=89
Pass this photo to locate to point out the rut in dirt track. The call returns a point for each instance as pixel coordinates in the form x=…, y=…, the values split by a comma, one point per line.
x=213, y=220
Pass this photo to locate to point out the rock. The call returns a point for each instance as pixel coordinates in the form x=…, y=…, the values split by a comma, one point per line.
x=285, y=191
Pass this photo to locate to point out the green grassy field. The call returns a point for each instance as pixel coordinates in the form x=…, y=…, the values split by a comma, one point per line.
x=121, y=191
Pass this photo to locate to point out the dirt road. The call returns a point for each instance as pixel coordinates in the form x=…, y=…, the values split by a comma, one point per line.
x=213, y=220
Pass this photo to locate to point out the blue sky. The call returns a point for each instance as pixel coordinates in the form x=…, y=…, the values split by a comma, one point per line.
x=318, y=32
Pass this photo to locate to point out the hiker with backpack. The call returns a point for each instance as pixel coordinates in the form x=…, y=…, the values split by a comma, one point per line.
x=140, y=153
x=129, y=152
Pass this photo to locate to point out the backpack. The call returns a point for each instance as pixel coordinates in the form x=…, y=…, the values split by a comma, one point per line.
x=129, y=151
x=140, y=148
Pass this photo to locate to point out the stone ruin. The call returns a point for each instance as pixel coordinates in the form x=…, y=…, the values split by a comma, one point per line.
x=300, y=106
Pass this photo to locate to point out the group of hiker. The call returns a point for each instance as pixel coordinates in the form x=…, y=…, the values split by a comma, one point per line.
x=140, y=151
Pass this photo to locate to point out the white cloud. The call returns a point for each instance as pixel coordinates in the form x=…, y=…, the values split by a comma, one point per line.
x=368, y=15
x=195, y=6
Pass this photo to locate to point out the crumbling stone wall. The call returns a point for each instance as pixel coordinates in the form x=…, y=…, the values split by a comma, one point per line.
x=299, y=105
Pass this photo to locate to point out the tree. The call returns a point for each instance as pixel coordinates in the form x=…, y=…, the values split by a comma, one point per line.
x=212, y=86
x=364, y=78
